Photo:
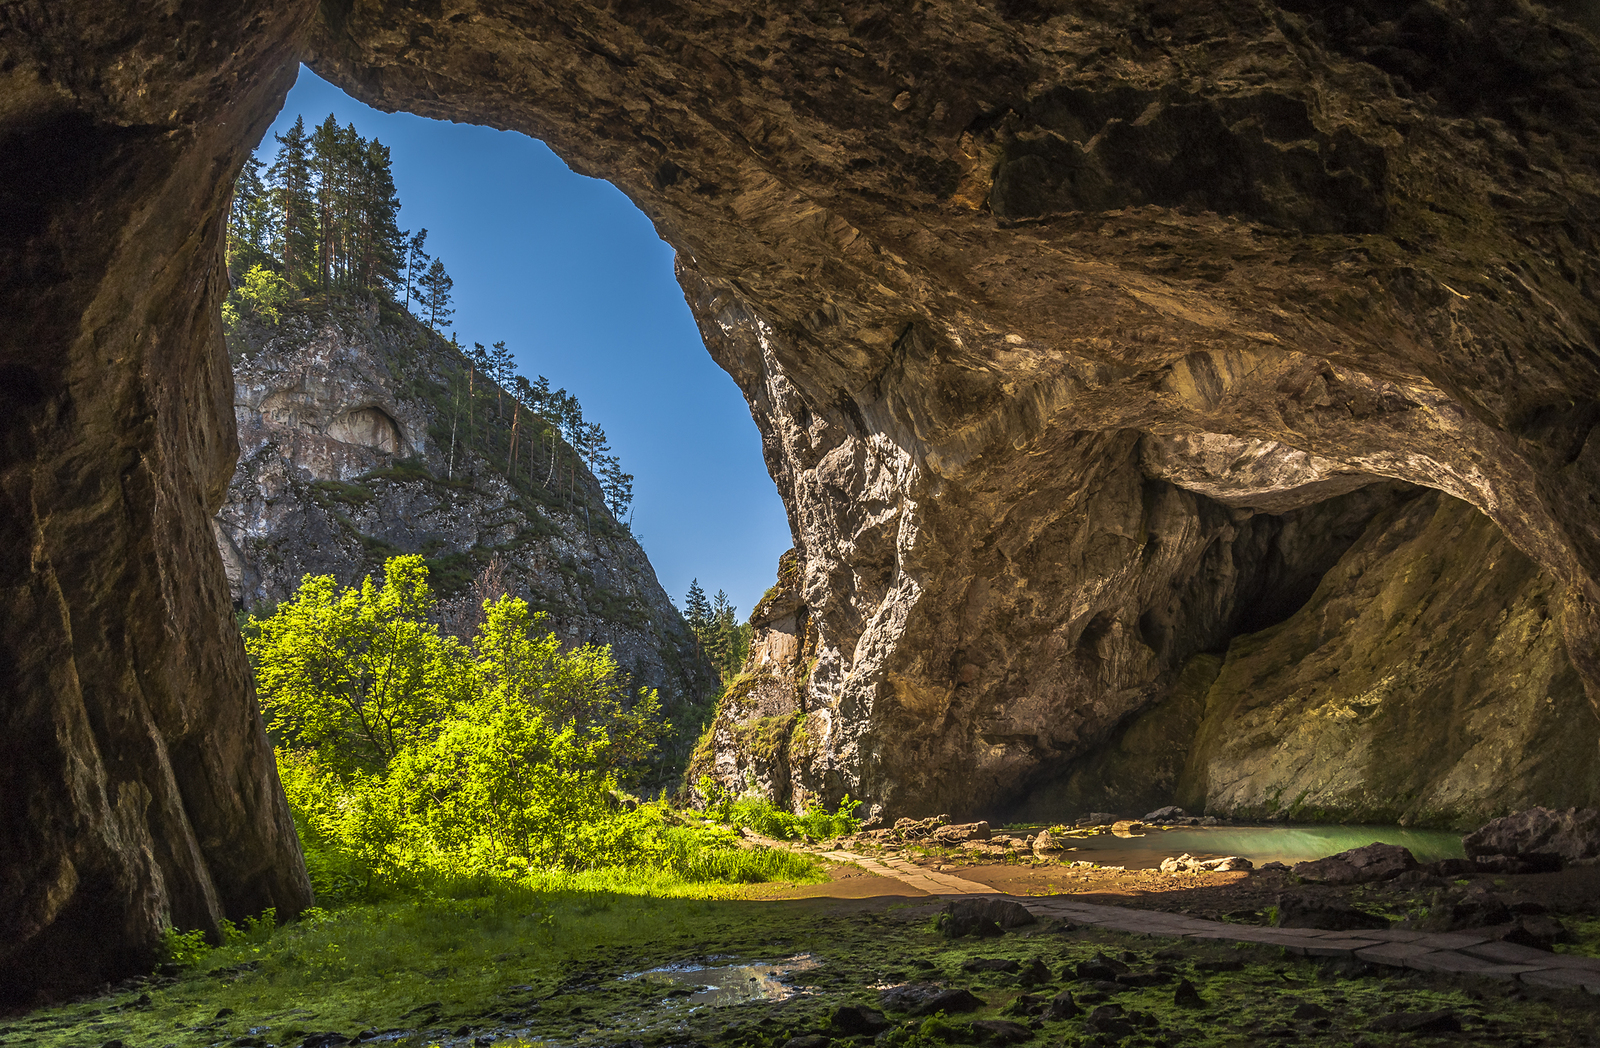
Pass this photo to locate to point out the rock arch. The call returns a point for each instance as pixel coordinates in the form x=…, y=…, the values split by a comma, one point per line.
x=969, y=263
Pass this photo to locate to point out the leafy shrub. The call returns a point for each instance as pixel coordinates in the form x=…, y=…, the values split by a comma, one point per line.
x=758, y=814
x=262, y=293
x=413, y=761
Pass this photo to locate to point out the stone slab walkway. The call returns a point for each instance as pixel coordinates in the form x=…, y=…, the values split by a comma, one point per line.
x=1456, y=952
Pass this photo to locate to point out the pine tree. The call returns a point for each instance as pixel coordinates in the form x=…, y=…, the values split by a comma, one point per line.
x=436, y=285
x=502, y=366
x=696, y=609
x=416, y=264
x=290, y=179
x=250, y=222
x=617, y=485
x=381, y=246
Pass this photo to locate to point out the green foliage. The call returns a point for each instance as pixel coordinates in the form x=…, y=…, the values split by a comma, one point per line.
x=262, y=293
x=183, y=948
x=758, y=814
x=413, y=761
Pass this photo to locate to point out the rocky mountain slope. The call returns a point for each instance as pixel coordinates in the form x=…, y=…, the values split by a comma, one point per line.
x=359, y=440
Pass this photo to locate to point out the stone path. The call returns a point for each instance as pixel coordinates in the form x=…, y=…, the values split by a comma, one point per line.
x=1461, y=953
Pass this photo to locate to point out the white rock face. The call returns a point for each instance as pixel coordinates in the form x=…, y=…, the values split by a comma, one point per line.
x=346, y=459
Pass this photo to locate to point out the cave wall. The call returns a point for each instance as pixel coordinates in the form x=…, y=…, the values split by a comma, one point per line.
x=1012, y=289
x=1425, y=682
x=140, y=789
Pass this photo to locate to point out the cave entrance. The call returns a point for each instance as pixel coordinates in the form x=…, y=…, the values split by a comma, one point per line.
x=572, y=277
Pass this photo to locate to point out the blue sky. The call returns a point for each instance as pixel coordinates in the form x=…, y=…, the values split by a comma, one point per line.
x=574, y=278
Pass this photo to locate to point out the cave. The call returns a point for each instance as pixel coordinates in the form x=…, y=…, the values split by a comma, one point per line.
x=1042, y=310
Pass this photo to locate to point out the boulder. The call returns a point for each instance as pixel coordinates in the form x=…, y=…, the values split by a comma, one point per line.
x=1045, y=843
x=1187, y=863
x=1098, y=818
x=1297, y=911
x=966, y=831
x=1543, y=837
x=951, y=1001
x=850, y=1020
x=1170, y=812
x=983, y=917
x=1000, y=1031
x=1374, y=862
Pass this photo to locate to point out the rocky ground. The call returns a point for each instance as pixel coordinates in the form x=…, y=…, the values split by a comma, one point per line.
x=866, y=963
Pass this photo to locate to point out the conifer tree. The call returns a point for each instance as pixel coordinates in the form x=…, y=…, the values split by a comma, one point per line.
x=290, y=179
x=696, y=609
x=436, y=285
x=381, y=246
x=250, y=222
x=417, y=261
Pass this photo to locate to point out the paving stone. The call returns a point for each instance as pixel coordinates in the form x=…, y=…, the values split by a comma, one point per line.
x=1330, y=947
x=1563, y=978
x=1451, y=940
x=1394, y=953
x=1447, y=961
x=1508, y=953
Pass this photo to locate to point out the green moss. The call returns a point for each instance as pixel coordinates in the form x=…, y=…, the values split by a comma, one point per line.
x=339, y=491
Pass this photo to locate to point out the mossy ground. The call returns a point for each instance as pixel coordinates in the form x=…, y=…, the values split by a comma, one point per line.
x=548, y=968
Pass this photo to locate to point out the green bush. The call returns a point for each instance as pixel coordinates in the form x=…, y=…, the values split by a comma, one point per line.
x=413, y=762
x=758, y=814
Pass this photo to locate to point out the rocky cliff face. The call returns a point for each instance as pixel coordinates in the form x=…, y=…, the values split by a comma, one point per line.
x=358, y=442
x=1051, y=314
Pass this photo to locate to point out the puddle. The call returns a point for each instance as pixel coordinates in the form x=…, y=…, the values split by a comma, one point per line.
x=718, y=986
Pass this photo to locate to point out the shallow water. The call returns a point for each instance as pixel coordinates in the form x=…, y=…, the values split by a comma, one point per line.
x=721, y=985
x=1259, y=844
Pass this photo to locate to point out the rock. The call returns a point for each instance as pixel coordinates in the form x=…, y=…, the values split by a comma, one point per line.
x=1296, y=911
x=1452, y=868
x=951, y=1001
x=1109, y=1020
x=1374, y=862
x=1273, y=867
x=1099, y=969
x=1219, y=966
x=983, y=917
x=1034, y=973
x=1026, y=1005
x=1140, y=980
x=1170, y=812
x=1062, y=1006
x=1309, y=1010
x=907, y=996
x=1542, y=837
x=1421, y=1023
x=1502, y=865
x=1098, y=818
x=990, y=964
x=1187, y=863
x=849, y=1020
x=1186, y=996
x=999, y=1031
x=1540, y=933
x=1044, y=843
x=1477, y=911
x=808, y=1040
x=967, y=831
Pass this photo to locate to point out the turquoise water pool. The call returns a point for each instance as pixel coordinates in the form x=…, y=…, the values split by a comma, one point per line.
x=1259, y=844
